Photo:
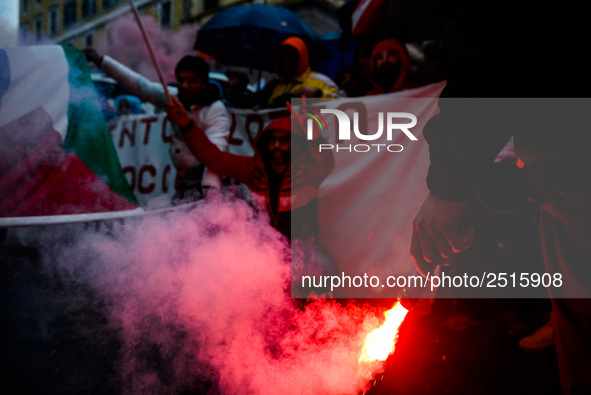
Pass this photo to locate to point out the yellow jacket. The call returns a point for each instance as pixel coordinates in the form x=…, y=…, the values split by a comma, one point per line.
x=306, y=78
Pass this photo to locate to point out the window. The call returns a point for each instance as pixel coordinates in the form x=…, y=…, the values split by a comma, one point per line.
x=109, y=3
x=209, y=5
x=38, y=26
x=69, y=13
x=88, y=8
x=53, y=20
x=37, y=3
x=187, y=9
x=25, y=4
x=165, y=14
x=25, y=34
x=89, y=40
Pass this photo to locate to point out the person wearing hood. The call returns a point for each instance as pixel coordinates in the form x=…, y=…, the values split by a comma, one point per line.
x=295, y=78
x=390, y=67
x=284, y=174
x=199, y=98
x=500, y=52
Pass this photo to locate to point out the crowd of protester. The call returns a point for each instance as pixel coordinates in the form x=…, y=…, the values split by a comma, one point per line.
x=379, y=67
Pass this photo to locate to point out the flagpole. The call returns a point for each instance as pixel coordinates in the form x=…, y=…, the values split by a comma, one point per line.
x=149, y=45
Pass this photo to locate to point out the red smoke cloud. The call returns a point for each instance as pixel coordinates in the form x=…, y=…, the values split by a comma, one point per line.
x=124, y=42
x=204, y=295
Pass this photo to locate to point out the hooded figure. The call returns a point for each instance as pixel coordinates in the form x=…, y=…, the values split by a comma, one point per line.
x=284, y=174
x=295, y=79
x=390, y=66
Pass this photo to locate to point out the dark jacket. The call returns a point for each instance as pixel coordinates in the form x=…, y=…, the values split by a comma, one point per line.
x=507, y=50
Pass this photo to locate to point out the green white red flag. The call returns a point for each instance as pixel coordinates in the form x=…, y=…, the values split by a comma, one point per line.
x=56, y=153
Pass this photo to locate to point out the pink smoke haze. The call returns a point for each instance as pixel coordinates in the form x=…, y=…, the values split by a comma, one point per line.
x=207, y=290
x=124, y=42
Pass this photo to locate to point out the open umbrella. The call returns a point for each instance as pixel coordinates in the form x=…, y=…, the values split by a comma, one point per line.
x=249, y=35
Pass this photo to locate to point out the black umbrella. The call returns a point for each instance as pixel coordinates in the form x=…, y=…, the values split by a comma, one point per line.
x=249, y=35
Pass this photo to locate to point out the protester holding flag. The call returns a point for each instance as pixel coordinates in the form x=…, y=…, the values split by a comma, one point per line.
x=198, y=96
x=284, y=173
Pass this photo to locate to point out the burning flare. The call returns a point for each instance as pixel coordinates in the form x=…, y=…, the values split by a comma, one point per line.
x=380, y=342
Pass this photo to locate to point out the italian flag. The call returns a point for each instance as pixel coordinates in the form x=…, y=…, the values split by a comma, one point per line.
x=56, y=152
x=368, y=16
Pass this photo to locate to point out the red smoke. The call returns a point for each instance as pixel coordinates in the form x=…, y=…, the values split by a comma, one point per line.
x=123, y=41
x=207, y=292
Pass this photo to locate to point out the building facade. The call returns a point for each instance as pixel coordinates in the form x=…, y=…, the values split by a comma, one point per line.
x=82, y=22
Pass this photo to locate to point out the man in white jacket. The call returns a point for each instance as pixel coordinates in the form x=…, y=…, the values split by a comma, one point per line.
x=200, y=98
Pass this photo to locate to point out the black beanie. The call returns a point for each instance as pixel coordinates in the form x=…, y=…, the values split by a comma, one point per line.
x=194, y=64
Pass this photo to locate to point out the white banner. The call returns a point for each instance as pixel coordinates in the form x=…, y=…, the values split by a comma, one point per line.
x=368, y=202
x=142, y=143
